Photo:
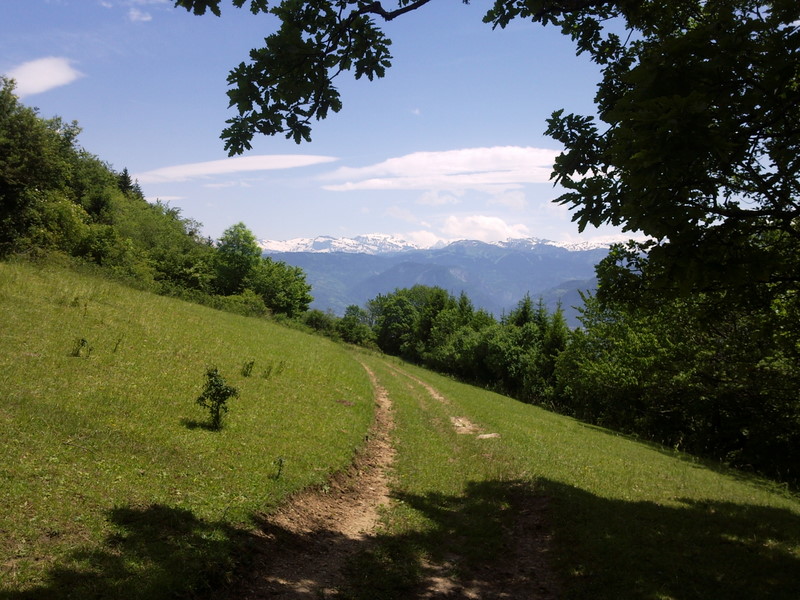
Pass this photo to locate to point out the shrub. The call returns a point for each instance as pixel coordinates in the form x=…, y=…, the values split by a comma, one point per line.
x=247, y=368
x=215, y=396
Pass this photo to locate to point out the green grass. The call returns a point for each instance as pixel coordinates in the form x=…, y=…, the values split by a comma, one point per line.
x=629, y=520
x=108, y=472
x=113, y=486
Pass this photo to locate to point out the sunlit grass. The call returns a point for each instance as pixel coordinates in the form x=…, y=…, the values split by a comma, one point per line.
x=629, y=519
x=116, y=426
x=113, y=486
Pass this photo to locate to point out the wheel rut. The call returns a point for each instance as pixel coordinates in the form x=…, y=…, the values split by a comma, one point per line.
x=300, y=552
x=302, y=548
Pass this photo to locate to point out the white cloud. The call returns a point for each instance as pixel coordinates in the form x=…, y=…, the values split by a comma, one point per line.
x=495, y=170
x=483, y=228
x=138, y=16
x=264, y=162
x=437, y=198
x=43, y=74
x=423, y=238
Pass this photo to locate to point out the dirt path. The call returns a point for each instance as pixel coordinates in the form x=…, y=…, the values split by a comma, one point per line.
x=304, y=546
x=301, y=550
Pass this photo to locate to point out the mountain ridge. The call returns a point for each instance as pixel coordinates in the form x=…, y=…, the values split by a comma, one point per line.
x=495, y=276
x=380, y=243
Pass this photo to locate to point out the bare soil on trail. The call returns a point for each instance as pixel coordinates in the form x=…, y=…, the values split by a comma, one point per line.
x=301, y=550
x=303, y=547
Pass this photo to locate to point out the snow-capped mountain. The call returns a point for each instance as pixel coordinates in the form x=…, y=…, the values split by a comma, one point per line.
x=373, y=243
x=530, y=243
x=378, y=243
x=347, y=271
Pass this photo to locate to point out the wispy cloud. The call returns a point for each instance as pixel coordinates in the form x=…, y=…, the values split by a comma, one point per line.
x=264, y=162
x=43, y=74
x=495, y=170
x=402, y=214
x=136, y=15
x=511, y=199
x=139, y=16
x=437, y=198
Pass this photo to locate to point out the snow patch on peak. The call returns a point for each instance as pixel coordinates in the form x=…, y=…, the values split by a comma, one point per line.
x=381, y=243
x=371, y=243
x=529, y=243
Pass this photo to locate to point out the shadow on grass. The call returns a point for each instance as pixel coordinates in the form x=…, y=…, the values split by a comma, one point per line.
x=156, y=552
x=194, y=424
x=600, y=548
x=493, y=541
x=610, y=548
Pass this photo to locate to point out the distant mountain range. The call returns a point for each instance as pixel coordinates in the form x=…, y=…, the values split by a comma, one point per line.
x=495, y=276
x=379, y=243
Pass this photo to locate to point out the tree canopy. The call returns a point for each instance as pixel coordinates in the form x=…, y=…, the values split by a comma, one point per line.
x=55, y=197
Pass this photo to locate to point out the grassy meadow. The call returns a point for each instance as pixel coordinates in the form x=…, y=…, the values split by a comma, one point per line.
x=113, y=486
x=103, y=444
x=626, y=519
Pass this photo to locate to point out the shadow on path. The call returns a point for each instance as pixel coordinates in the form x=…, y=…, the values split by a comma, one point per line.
x=493, y=541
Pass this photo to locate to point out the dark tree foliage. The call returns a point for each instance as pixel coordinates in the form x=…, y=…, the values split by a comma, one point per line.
x=692, y=374
x=696, y=140
x=57, y=197
x=428, y=326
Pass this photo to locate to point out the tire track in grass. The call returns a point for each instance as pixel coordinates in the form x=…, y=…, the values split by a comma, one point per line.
x=301, y=551
x=460, y=424
x=302, y=548
x=524, y=571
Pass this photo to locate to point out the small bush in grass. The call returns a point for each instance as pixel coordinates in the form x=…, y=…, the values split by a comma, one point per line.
x=215, y=396
x=247, y=368
x=81, y=347
x=273, y=369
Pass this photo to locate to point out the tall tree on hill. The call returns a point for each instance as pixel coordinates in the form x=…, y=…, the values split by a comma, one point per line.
x=236, y=257
x=124, y=181
x=34, y=165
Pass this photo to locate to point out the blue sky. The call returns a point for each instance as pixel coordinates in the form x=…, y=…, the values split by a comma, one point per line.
x=449, y=145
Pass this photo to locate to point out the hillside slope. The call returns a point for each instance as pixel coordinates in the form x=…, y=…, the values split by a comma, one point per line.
x=102, y=439
x=114, y=487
